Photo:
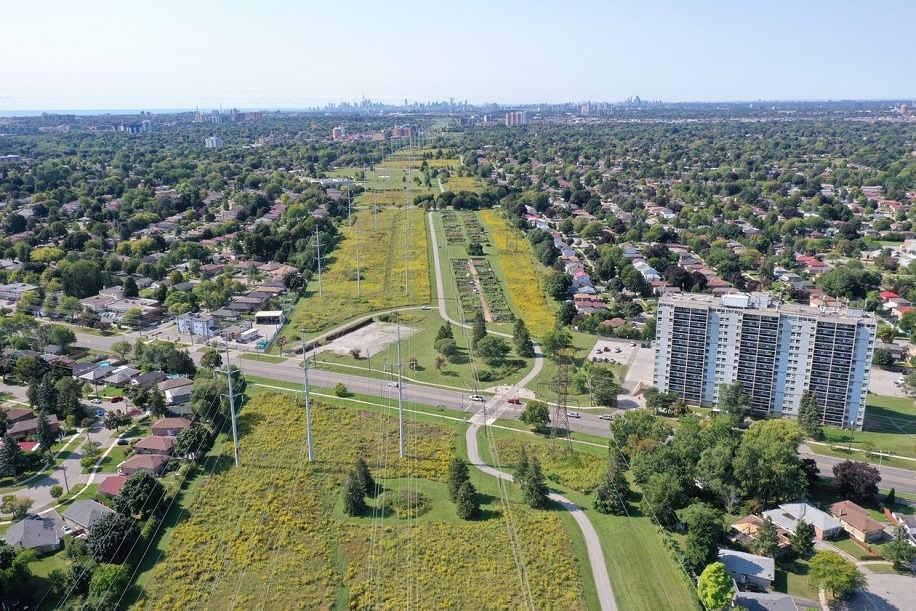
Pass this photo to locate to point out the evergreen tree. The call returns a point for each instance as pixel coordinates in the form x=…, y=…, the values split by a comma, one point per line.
x=467, y=506
x=891, y=497
x=611, y=494
x=445, y=331
x=767, y=541
x=522, y=339
x=534, y=489
x=457, y=476
x=11, y=458
x=479, y=330
x=46, y=435
x=365, y=477
x=801, y=540
x=809, y=421
x=47, y=394
x=354, y=495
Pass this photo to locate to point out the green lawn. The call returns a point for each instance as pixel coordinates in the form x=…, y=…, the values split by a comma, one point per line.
x=890, y=426
x=795, y=580
x=266, y=358
x=584, y=344
x=458, y=374
x=643, y=573
x=110, y=463
x=849, y=546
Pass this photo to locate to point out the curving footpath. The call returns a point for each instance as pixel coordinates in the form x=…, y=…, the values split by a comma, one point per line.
x=595, y=555
x=592, y=544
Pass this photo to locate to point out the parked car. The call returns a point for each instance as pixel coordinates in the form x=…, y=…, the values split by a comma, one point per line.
x=573, y=414
x=391, y=384
x=606, y=417
x=617, y=349
x=66, y=529
x=99, y=412
x=476, y=398
x=514, y=401
x=632, y=344
x=123, y=442
x=96, y=401
x=116, y=399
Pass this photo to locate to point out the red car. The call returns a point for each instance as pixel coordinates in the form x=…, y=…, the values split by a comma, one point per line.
x=117, y=399
x=514, y=401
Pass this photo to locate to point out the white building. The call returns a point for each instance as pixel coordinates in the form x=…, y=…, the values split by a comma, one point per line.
x=776, y=351
x=192, y=324
x=214, y=142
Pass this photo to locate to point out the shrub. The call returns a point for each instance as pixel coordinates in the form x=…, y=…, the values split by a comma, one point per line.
x=405, y=503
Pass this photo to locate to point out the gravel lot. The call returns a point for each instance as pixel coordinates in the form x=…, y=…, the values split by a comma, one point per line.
x=370, y=339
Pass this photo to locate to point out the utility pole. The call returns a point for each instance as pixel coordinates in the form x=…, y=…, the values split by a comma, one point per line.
x=66, y=483
x=235, y=430
x=400, y=395
x=348, y=205
x=308, y=407
x=318, y=246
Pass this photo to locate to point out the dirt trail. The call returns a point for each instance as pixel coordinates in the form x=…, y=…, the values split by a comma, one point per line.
x=483, y=302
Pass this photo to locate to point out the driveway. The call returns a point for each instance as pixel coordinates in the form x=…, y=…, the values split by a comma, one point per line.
x=885, y=593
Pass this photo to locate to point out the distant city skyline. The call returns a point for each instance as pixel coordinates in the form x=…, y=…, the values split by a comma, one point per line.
x=105, y=54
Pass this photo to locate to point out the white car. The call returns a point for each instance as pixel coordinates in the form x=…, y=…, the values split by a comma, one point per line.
x=66, y=529
x=476, y=398
x=606, y=417
x=573, y=414
x=391, y=384
x=632, y=345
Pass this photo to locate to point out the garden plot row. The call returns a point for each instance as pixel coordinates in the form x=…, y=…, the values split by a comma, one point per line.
x=473, y=229
x=468, y=294
x=492, y=292
x=452, y=227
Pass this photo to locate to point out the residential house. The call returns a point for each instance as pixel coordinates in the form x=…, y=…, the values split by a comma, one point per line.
x=18, y=414
x=82, y=514
x=41, y=534
x=79, y=369
x=744, y=532
x=26, y=428
x=155, y=444
x=788, y=515
x=856, y=521
x=166, y=427
x=197, y=324
x=764, y=601
x=112, y=485
x=150, y=463
x=749, y=569
x=148, y=379
x=121, y=376
x=12, y=292
x=177, y=391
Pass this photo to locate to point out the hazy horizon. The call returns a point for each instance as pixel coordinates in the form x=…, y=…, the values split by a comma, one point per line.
x=105, y=54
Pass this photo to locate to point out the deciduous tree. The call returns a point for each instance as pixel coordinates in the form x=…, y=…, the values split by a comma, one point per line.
x=111, y=538
x=715, y=587
x=536, y=415
x=831, y=571
x=857, y=481
x=141, y=496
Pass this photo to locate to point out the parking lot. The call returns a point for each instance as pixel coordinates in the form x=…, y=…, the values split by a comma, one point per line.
x=638, y=356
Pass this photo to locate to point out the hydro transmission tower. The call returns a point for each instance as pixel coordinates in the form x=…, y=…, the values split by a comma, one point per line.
x=560, y=419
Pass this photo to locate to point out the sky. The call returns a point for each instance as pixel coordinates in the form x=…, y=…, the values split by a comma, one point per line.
x=132, y=54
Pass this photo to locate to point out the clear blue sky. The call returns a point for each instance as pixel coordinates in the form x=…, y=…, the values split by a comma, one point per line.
x=96, y=54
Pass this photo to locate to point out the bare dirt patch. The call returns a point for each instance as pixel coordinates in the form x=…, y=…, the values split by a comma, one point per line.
x=370, y=340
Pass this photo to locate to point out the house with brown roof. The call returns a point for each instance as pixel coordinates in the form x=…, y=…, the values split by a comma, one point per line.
x=856, y=521
x=18, y=414
x=155, y=444
x=24, y=428
x=151, y=463
x=112, y=485
x=170, y=427
x=744, y=531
